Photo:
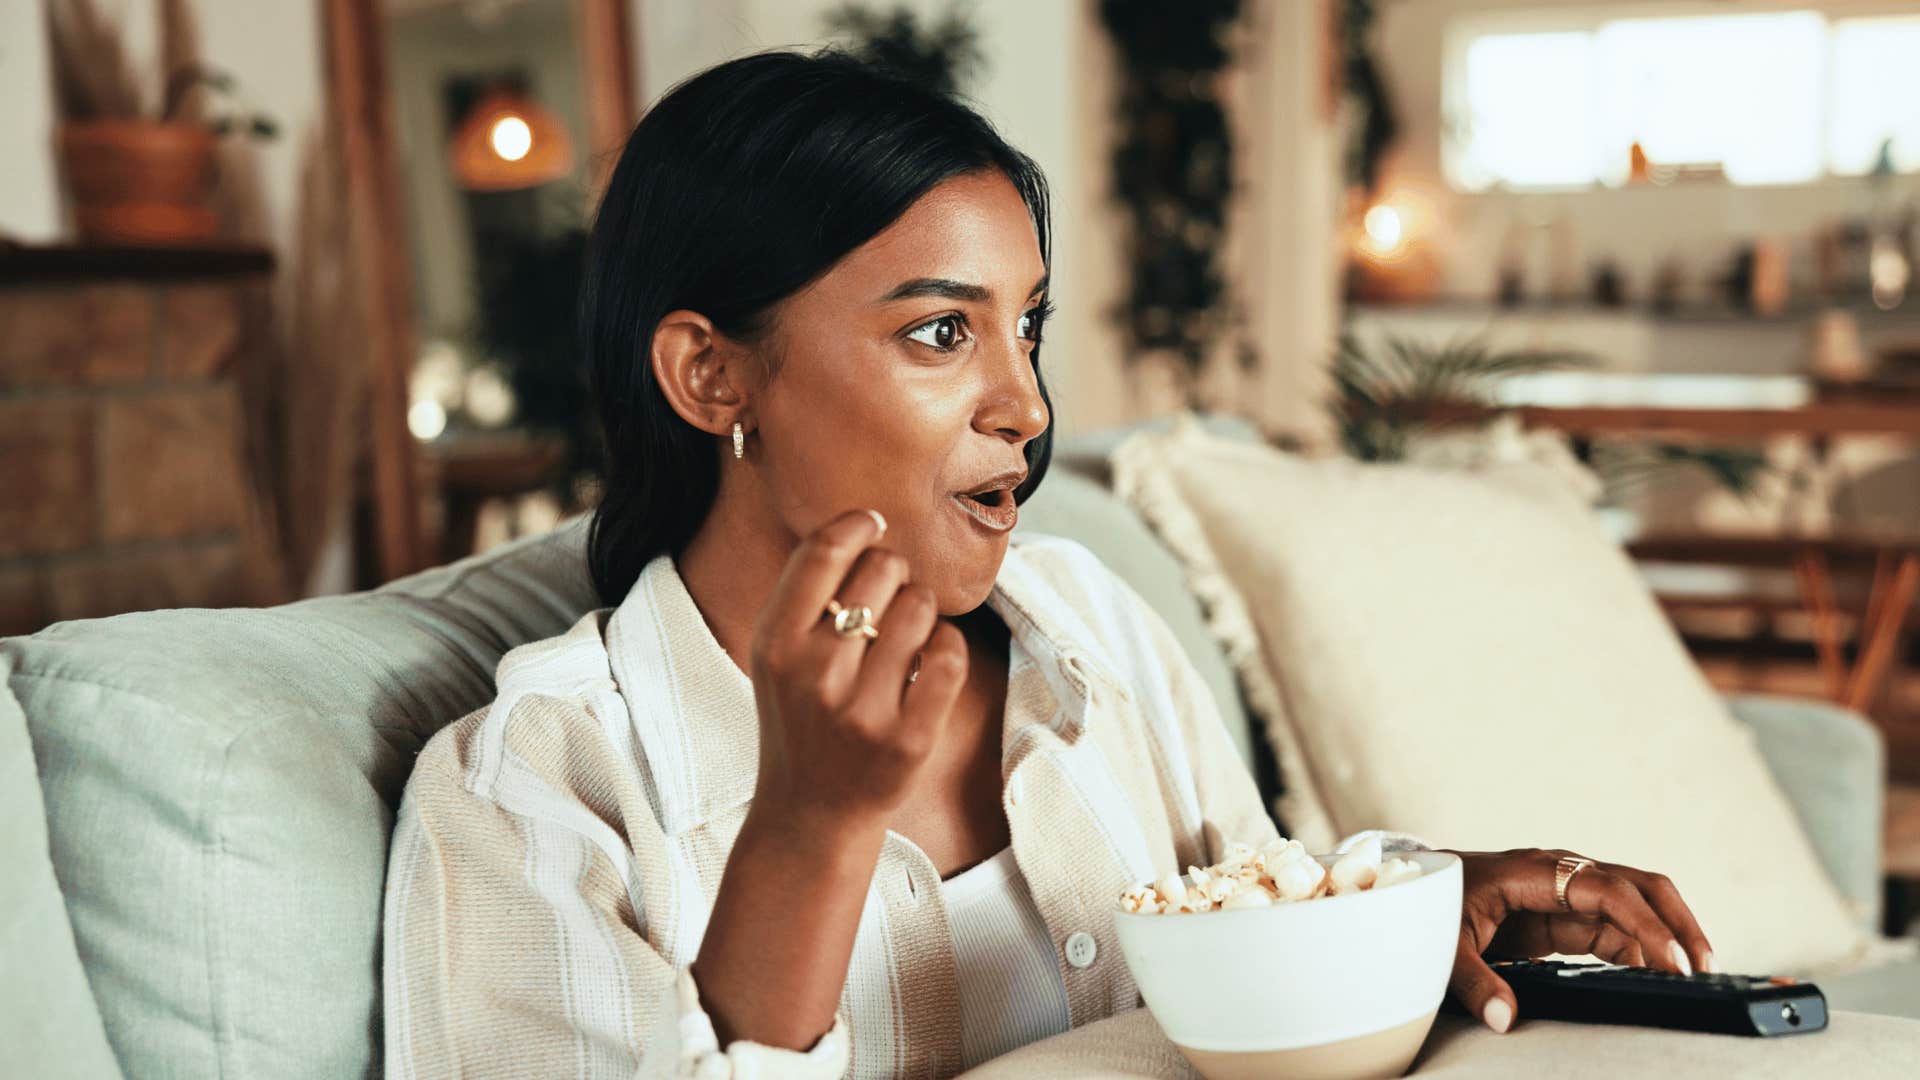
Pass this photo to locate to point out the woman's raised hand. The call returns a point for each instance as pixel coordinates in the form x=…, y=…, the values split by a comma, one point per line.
x=843, y=731
x=845, y=722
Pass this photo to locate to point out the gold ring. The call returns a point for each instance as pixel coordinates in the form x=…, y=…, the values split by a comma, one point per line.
x=1563, y=872
x=852, y=622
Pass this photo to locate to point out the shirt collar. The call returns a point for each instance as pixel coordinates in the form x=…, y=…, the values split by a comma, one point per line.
x=1056, y=635
x=692, y=709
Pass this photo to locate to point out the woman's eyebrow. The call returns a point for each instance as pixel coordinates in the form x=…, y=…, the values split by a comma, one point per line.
x=949, y=289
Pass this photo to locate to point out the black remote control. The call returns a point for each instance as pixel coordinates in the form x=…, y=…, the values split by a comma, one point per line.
x=1613, y=994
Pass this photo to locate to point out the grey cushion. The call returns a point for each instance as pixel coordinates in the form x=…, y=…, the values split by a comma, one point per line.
x=48, y=1024
x=1831, y=765
x=219, y=789
x=1072, y=505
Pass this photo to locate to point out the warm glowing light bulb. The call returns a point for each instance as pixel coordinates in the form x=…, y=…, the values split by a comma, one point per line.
x=1384, y=228
x=511, y=138
x=426, y=419
x=1889, y=273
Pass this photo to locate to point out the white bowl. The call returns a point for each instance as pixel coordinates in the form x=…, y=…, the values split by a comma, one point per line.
x=1341, y=986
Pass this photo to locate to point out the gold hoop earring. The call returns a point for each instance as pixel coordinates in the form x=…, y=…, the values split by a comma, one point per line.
x=739, y=441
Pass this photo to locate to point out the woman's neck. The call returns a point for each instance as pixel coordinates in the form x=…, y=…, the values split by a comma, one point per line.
x=730, y=567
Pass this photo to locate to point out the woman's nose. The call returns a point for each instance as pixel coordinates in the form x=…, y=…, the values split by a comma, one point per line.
x=1012, y=406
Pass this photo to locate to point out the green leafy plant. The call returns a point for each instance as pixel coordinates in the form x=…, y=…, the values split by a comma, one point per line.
x=1172, y=174
x=1375, y=125
x=1388, y=394
x=237, y=117
x=1626, y=467
x=944, y=55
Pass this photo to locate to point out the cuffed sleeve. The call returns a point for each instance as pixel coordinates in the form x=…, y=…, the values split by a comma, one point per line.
x=515, y=931
x=702, y=1058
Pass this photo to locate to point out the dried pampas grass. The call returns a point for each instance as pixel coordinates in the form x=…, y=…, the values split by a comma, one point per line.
x=92, y=77
x=183, y=97
x=322, y=382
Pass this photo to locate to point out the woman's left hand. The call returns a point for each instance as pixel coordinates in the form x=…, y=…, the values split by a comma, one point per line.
x=1619, y=914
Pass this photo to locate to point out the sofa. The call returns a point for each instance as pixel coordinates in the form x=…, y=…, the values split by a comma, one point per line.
x=195, y=804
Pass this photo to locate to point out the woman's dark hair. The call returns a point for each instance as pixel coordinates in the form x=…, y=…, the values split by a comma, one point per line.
x=739, y=187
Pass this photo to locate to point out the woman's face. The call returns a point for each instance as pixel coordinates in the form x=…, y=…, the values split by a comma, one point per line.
x=903, y=381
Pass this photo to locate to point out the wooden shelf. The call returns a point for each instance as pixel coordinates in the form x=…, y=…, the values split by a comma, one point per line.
x=33, y=264
x=1817, y=419
x=1693, y=313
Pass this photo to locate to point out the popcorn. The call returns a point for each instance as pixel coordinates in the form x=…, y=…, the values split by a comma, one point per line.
x=1395, y=871
x=1173, y=892
x=1356, y=870
x=1246, y=898
x=1299, y=879
x=1278, y=872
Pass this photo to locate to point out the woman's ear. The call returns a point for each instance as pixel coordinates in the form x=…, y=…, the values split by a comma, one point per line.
x=702, y=374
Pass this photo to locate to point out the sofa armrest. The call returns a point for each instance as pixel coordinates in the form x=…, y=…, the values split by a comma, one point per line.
x=1831, y=765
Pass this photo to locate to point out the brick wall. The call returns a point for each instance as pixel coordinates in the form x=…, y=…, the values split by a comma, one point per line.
x=123, y=477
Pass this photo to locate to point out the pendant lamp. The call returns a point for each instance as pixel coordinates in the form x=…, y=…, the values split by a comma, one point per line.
x=508, y=142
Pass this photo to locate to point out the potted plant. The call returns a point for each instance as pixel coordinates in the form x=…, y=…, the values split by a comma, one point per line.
x=136, y=177
x=1387, y=391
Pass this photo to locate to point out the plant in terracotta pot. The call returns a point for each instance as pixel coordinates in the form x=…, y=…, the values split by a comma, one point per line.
x=139, y=174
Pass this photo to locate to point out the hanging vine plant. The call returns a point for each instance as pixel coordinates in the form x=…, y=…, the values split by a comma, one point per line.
x=1173, y=171
x=1376, y=125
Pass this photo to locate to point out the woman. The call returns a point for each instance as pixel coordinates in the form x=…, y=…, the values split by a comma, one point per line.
x=841, y=778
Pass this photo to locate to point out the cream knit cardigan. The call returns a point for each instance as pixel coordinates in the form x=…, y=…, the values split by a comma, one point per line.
x=557, y=852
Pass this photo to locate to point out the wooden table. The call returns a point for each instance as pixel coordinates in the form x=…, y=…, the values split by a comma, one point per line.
x=1890, y=596
x=1817, y=419
x=477, y=467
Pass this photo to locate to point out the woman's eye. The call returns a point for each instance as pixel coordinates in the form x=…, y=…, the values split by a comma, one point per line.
x=1034, y=320
x=942, y=333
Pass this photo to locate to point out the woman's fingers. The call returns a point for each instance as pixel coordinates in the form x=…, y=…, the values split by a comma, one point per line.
x=1477, y=988
x=1614, y=946
x=877, y=690
x=943, y=671
x=814, y=573
x=872, y=583
x=1614, y=897
x=1664, y=898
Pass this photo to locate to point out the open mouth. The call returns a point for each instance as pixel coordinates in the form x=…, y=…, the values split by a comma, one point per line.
x=993, y=507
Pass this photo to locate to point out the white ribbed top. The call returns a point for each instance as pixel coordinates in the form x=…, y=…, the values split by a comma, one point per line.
x=1011, y=993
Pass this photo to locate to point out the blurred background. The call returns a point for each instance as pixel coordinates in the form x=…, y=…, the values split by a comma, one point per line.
x=286, y=286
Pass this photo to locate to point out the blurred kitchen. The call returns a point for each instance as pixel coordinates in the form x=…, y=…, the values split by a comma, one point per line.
x=286, y=286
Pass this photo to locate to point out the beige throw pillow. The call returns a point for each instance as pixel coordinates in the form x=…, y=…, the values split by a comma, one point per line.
x=1466, y=657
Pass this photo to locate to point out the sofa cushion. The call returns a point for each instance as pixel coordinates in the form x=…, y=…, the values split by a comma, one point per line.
x=48, y=1024
x=219, y=789
x=1854, y=1046
x=1831, y=765
x=1473, y=661
x=1891, y=988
